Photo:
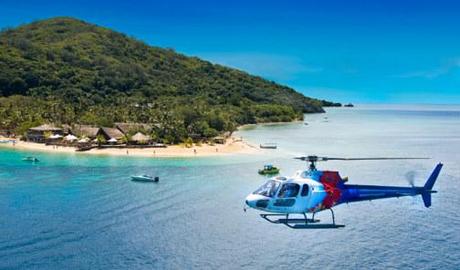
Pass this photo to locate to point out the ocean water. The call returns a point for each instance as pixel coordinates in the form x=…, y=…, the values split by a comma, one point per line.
x=82, y=212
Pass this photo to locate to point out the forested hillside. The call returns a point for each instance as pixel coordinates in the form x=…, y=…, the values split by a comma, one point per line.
x=67, y=71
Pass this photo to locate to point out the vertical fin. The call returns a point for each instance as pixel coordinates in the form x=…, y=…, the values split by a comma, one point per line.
x=432, y=179
x=428, y=187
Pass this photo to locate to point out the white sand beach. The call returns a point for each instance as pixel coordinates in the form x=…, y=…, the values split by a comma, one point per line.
x=232, y=146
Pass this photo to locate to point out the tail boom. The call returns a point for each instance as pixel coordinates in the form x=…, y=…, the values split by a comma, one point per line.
x=355, y=193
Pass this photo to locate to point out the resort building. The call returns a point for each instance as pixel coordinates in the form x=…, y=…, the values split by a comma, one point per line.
x=39, y=134
x=222, y=139
x=85, y=131
x=111, y=134
x=219, y=140
x=140, y=138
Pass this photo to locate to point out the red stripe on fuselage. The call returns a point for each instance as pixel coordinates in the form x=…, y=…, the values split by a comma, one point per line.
x=330, y=181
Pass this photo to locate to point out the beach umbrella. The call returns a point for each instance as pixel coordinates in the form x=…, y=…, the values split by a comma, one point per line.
x=112, y=140
x=55, y=136
x=70, y=138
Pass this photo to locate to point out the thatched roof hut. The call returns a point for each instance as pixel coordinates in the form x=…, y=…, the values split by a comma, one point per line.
x=85, y=131
x=37, y=134
x=111, y=133
x=219, y=140
x=140, y=138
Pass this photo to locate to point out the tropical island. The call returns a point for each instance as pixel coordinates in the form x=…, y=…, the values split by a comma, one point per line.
x=72, y=76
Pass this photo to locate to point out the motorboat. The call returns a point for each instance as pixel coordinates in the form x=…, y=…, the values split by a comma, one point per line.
x=144, y=178
x=269, y=169
x=30, y=159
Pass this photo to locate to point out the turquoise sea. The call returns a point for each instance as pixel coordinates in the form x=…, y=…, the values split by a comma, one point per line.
x=82, y=212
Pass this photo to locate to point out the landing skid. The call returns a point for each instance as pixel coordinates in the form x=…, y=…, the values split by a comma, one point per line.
x=315, y=226
x=288, y=220
x=301, y=223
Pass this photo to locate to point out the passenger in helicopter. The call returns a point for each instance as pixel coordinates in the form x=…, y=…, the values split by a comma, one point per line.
x=289, y=190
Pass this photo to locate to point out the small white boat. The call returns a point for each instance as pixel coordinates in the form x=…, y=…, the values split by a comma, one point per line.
x=268, y=146
x=145, y=178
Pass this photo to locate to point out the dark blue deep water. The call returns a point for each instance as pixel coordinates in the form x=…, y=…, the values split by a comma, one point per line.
x=83, y=212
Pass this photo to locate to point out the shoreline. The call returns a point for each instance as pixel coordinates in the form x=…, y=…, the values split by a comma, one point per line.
x=233, y=146
x=246, y=126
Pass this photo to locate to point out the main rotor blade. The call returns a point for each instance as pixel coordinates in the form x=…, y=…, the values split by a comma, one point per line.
x=317, y=158
x=301, y=158
x=373, y=158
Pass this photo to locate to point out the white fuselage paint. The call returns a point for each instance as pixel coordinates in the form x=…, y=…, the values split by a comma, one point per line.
x=302, y=204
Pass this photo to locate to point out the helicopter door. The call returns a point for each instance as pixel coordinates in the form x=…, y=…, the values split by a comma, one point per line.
x=304, y=197
x=304, y=190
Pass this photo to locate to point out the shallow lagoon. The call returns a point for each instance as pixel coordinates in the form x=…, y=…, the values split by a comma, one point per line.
x=74, y=211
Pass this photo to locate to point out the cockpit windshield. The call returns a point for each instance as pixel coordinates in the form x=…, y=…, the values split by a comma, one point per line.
x=268, y=189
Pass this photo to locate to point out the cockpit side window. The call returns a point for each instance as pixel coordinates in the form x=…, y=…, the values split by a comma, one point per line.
x=268, y=189
x=289, y=190
x=304, y=190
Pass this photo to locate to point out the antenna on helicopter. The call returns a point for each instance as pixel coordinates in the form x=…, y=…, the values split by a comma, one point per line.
x=313, y=159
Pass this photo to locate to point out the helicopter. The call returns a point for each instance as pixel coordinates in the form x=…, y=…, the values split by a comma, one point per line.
x=311, y=191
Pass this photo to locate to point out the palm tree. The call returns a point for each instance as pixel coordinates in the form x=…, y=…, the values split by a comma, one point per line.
x=125, y=139
x=100, y=140
x=47, y=134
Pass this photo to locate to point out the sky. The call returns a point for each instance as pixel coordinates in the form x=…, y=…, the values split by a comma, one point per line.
x=366, y=51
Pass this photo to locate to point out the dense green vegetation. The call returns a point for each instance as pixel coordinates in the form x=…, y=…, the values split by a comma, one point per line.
x=66, y=71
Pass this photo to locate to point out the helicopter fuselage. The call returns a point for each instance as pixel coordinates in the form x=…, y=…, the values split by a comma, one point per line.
x=311, y=191
x=302, y=193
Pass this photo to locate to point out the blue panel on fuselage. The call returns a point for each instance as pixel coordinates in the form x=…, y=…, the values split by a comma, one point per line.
x=315, y=175
x=355, y=193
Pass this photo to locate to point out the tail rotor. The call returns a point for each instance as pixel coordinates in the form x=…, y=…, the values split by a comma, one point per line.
x=410, y=177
